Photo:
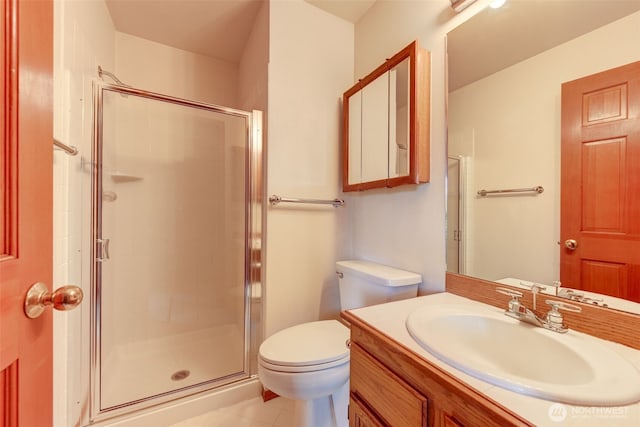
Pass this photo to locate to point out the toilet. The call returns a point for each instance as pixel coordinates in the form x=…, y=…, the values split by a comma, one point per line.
x=310, y=362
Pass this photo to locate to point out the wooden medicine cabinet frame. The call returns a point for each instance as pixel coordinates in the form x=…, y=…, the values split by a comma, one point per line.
x=419, y=81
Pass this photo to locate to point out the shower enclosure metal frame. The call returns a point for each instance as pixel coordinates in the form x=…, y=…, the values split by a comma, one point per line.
x=460, y=218
x=253, y=254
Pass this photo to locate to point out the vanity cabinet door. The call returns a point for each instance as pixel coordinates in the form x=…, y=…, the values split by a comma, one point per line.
x=448, y=421
x=386, y=120
x=361, y=416
x=383, y=393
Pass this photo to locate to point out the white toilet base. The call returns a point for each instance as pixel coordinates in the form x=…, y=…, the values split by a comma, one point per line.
x=326, y=411
x=321, y=397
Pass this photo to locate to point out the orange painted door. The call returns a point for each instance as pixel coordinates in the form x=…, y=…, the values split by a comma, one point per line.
x=600, y=178
x=26, y=37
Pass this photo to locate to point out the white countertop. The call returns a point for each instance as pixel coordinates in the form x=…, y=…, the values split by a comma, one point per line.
x=390, y=319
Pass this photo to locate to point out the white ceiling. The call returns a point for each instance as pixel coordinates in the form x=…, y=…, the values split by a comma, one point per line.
x=498, y=38
x=350, y=10
x=215, y=28
x=220, y=28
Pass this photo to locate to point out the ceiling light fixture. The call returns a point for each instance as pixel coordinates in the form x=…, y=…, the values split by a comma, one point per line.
x=495, y=4
x=460, y=5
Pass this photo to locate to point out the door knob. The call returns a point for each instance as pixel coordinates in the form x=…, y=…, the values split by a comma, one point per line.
x=571, y=244
x=38, y=297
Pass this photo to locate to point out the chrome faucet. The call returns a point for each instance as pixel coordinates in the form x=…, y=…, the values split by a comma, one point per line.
x=553, y=321
x=576, y=295
x=535, y=289
x=580, y=297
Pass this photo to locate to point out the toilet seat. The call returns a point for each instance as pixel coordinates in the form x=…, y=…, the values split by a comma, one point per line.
x=303, y=368
x=306, y=347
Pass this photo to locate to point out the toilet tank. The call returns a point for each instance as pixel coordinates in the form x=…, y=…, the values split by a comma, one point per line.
x=364, y=283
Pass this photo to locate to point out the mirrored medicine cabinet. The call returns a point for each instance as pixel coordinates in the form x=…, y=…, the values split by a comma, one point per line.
x=386, y=121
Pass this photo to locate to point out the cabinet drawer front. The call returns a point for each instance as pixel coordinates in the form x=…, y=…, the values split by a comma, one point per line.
x=394, y=401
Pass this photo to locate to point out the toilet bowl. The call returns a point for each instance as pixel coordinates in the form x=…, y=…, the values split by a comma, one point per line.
x=310, y=362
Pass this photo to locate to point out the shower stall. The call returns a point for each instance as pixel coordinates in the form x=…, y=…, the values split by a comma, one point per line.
x=175, y=249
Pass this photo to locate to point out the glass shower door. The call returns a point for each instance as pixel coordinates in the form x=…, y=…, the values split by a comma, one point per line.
x=170, y=227
x=455, y=177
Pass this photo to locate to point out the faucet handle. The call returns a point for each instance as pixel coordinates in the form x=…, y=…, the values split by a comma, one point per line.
x=556, y=285
x=561, y=305
x=514, y=304
x=554, y=319
x=509, y=292
x=535, y=289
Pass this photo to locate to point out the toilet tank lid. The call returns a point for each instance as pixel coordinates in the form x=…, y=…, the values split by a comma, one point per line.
x=378, y=273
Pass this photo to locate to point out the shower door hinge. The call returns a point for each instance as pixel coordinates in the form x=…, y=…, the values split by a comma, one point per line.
x=102, y=250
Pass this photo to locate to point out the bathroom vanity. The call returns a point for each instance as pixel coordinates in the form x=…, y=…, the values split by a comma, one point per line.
x=392, y=385
x=396, y=382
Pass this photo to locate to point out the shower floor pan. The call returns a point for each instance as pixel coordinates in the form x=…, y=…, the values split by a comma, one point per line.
x=137, y=371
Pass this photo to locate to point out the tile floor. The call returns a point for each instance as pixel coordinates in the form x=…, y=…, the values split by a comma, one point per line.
x=254, y=412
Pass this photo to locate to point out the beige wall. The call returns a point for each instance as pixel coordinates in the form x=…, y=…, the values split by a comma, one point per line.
x=253, y=66
x=310, y=65
x=404, y=227
x=158, y=68
x=508, y=125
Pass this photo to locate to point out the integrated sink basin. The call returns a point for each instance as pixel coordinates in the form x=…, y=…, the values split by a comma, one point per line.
x=571, y=368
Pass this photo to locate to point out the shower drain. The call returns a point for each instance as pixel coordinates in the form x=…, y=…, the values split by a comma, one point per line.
x=180, y=375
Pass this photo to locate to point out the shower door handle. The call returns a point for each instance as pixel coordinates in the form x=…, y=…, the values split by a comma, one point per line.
x=103, y=250
x=38, y=298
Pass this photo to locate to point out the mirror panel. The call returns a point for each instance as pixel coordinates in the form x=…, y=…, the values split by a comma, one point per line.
x=375, y=115
x=504, y=128
x=399, y=120
x=355, y=134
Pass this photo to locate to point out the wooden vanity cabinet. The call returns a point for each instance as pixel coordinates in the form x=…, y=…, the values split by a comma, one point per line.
x=383, y=396
x=361, y=416
x=392, y=386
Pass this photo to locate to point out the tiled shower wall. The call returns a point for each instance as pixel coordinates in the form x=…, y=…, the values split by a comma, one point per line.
x=83, y=39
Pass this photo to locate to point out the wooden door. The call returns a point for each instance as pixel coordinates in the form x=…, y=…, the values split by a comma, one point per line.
x=600, y=178
x=26, y=390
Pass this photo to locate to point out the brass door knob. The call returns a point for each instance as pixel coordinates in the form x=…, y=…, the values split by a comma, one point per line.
x=571, y=244
x=38, y=298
